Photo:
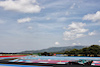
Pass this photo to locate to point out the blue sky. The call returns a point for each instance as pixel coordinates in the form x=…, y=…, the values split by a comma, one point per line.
x=40, y=24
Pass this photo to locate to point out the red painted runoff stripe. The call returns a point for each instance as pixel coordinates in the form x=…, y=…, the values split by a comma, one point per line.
x=96, y=61
x=48, y=61
x=13, y=56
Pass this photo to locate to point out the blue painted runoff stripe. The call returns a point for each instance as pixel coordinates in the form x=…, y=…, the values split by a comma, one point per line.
x=60, y=58
x=13, y=65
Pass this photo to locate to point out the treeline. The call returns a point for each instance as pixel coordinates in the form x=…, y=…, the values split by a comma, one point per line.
x=93, y=50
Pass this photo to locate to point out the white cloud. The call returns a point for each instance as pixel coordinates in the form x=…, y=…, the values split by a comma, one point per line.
x=76, y=25
x=99, y=41
x=24, y=6
x=75, y=30
x=80, y=30
x=48, y=18
x=92, y=33
x=76, y=43
x=24, y=20
x=57, y=43
x=30, y=27
x=92, y=17
x=80, y=35
x=79, y=43
x=69, y=35
x=73, y=5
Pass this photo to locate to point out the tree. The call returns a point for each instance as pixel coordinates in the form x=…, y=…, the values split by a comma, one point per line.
x=85, y=51
x=66, y=52
x=45, y=54
x=94, y=49
x=74, y=51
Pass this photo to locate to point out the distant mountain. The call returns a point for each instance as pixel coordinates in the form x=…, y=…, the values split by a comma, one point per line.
x=54, y=49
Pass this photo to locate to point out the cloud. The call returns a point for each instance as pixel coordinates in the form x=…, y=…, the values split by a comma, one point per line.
x=30, y=27
x=69, y=35
x=24, y=20
x=76, y=43
x=77, y=25
x=57, y=43
x=24, y=6
x=92, y=17
x=48, y=18
x=73, y=5
x=79, y=43
x=80, y=35
x=92, y=33
x=75, y=30
x=99, y=41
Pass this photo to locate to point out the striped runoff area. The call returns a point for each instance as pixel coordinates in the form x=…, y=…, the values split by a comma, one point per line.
x=41, y=61
x=96, y=63
x=51, y=59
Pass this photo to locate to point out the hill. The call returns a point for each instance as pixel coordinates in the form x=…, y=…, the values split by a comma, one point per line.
x=54, y=49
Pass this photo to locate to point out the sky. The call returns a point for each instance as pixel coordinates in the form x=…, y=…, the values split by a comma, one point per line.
x=40, y=24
